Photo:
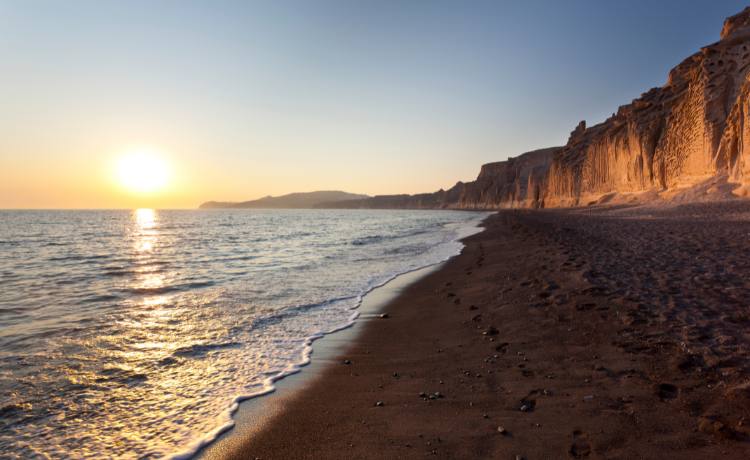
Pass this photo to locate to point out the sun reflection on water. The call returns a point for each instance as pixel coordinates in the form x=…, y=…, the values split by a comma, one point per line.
x=146, y=238
x=147, y=234
x=145, y=217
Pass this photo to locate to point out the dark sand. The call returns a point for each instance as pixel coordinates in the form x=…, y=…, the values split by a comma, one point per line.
x=610, y=333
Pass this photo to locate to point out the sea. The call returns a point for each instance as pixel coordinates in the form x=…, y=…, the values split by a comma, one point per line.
x=135, y=333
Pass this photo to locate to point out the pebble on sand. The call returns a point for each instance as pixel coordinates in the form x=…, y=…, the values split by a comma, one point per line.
x=492, y=330
x=379, y=404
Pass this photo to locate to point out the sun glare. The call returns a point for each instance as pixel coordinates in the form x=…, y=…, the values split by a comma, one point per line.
x=142, y=171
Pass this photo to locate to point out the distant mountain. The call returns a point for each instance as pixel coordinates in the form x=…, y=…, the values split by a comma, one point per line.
x=290, y=201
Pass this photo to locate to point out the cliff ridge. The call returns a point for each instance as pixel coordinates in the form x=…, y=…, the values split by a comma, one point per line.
x=689, y=138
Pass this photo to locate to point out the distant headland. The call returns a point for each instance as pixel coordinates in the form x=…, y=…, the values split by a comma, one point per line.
x=290, y=201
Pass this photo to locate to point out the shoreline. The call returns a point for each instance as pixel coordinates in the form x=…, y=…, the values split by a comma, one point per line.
x=519, y=348
x=255, y=411
x=252, y=411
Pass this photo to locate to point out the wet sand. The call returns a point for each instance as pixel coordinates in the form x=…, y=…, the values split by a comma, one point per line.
x=598, y=333
x=253, y=414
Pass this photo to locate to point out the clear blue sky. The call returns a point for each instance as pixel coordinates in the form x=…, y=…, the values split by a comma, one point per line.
x=254, y=98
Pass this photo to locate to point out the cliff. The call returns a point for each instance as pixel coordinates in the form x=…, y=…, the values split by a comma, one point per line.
x=516, y=182
x=693, y=133
x=290, y=201
x=687, y=132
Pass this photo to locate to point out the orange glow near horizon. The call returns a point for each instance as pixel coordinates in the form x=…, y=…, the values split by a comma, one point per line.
x=172, y=174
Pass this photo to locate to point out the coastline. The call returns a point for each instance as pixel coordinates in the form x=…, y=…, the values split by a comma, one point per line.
x=253, y=413
x=249, y=413
x=513, y=349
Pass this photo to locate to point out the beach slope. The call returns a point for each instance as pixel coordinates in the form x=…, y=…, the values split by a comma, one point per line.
x=617, y=333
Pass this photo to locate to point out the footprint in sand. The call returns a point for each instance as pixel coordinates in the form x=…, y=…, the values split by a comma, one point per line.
x=667, y=391
x=581, y=447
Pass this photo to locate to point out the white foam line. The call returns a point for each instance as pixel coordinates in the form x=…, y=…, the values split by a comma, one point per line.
x=293, y=368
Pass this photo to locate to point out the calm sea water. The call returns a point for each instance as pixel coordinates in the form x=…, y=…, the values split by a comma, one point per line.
x=133, y=333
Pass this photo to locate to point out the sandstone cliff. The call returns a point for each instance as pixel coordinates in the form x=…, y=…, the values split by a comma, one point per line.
x=686, y=132
x=516, y=182
x=693, y=131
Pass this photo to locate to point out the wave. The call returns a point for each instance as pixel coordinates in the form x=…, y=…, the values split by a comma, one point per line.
x=199, y=350
x=79, y=257
x=101, y=298
x=71, y=280
x=407, y=249
x=149, y=263
x=11, y=408
x=236, y=258
x=167, y=289
x=368, y=240
x=121, y=376
x=385, y=237
x=296, y=310
x=55, y=243
x=117, y=272
x=226, y=422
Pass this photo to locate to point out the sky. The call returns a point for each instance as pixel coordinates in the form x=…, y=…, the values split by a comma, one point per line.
x=245, y=99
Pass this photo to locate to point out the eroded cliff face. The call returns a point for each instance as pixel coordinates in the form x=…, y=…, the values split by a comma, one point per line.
x=690, y=130
x=517, y=182
x=693, y=131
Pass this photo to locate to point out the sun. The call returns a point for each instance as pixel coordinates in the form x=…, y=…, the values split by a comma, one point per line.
x=142, y=171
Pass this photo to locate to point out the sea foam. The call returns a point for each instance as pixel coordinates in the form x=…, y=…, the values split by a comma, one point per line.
x=153, y=363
